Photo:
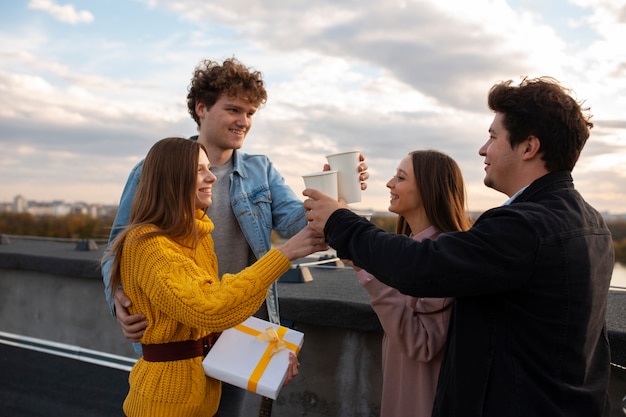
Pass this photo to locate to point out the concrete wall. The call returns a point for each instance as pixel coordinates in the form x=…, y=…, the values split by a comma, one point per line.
x=340, y=372
x=59, y=308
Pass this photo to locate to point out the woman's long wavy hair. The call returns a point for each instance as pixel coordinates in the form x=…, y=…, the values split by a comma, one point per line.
x=442, y=190
x=165, y=197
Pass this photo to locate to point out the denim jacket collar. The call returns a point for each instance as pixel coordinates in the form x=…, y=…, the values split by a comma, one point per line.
x=238, y=165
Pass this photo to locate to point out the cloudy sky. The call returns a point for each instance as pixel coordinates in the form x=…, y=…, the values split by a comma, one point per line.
x=86, y=87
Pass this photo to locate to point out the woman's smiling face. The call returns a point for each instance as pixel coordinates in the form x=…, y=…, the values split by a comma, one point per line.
x=204, y=182
x=404, y=195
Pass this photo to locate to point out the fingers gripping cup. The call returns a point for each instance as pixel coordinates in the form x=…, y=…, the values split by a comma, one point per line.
x=324, y=181
x=348, y=183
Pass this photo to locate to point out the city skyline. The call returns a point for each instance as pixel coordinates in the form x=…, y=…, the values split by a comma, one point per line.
x=90, y=89
x=109, y=208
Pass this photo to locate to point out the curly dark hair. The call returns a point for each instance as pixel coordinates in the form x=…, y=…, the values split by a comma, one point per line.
x=541, y=107
x=211, y=79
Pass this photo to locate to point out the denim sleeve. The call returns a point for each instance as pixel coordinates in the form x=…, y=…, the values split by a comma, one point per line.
x=121, y=220
x=288, y=214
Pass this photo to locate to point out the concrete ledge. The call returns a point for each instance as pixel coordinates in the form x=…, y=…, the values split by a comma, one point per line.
x=50, y=256
x=80, y=268
x=333, y=298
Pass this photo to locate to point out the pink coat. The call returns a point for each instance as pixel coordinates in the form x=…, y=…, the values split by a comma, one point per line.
x=415, y=335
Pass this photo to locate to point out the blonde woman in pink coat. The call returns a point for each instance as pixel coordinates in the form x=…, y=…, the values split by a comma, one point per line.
x=428, y=194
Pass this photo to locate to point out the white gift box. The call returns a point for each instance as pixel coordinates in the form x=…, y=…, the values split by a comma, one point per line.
x=240, y=357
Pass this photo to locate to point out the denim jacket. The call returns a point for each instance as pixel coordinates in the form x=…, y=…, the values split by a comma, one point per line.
x=528, y=333
x=260, y=199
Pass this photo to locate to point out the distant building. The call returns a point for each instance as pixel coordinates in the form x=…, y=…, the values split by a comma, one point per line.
x=612, y=217
x=80, y=208
x=92, y=210
x=56, y=208
x=19, y=204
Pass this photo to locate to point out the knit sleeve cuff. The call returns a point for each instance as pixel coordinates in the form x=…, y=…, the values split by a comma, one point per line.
x=272, y=265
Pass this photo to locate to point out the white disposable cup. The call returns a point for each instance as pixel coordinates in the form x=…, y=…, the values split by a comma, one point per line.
x=324, y=181
x=347, y=166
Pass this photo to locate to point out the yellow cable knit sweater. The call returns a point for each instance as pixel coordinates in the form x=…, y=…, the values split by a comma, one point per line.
x=182, y=297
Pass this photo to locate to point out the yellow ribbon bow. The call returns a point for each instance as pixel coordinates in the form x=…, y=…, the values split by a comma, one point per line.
x=271, y=336
x=275, y=343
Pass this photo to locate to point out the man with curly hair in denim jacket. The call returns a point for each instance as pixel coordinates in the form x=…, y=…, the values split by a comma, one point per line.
x=251, y=197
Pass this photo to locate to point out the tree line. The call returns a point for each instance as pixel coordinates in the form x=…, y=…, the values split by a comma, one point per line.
x=81, y=226
x=71, y=226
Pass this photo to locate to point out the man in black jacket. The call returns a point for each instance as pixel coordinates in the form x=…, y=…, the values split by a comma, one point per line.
x=528, y=334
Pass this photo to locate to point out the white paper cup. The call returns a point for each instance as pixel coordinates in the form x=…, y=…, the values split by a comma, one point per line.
x=347, y=166
x=324, y=181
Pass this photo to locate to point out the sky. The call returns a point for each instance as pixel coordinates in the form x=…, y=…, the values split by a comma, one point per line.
x=86, y=87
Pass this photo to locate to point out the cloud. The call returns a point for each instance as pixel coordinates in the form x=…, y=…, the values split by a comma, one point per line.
x=410, y=40
x=63, y=13
x=381, y=77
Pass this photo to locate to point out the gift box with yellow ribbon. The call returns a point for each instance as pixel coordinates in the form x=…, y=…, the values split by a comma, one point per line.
x=253, y=355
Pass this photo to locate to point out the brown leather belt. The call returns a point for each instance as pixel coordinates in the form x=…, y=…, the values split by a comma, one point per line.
x=176, y=351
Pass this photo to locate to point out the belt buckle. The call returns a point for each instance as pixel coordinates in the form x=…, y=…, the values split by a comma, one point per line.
x=206, y=345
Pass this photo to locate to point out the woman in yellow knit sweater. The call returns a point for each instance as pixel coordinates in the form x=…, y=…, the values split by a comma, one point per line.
x=166, y=263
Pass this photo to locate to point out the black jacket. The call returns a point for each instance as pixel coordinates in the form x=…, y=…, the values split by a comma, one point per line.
x=528, y=334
